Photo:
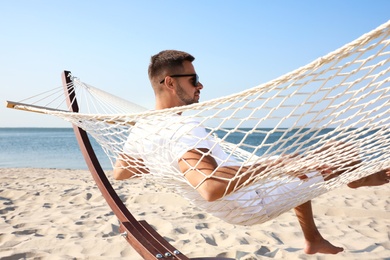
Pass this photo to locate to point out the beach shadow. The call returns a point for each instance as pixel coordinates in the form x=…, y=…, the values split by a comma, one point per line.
x=291, y=249
x=262, y=252
x=6, y=210
x=16, y=256
x=7, y=202
x=25, y=232
x=367, y=249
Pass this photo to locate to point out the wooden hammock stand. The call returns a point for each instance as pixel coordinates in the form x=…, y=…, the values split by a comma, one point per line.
x=139, y=234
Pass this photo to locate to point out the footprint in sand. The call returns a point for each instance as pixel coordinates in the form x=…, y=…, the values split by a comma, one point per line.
x=7, y=202
x=25, y=232
x=209, y=239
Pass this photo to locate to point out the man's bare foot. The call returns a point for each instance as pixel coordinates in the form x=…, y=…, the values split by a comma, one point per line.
x=376, y=179
x=321, y=246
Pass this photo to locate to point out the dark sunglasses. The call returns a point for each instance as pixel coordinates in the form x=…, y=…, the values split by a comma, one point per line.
x=195, y=78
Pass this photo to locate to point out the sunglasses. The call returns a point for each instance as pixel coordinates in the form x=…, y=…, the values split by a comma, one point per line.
x=195, y=78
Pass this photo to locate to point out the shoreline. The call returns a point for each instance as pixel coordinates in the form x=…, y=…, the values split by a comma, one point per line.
x=60, y=214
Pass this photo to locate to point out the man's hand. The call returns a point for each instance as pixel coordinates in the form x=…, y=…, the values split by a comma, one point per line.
x=127, y=167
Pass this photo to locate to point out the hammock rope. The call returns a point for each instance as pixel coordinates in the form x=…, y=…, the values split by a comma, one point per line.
x=333, y=111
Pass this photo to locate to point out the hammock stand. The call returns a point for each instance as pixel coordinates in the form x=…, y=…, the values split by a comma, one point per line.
x=139, y=234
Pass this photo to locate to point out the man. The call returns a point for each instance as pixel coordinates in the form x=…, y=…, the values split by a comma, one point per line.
x=195, y=157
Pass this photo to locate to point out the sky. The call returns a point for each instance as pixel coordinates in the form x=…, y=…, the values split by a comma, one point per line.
x=108, y=44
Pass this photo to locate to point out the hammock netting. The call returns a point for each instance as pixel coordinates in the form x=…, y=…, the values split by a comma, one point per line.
x=333, y=111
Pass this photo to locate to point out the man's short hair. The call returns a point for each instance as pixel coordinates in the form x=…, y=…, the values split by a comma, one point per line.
x=167, y=62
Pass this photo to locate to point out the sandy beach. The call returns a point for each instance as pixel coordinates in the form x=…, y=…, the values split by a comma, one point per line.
x=60, y=214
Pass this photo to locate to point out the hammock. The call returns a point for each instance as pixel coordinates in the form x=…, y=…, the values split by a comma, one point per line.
x=332, y=111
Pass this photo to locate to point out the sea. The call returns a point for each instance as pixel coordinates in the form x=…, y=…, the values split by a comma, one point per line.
x=44, y=148
x=58, y=148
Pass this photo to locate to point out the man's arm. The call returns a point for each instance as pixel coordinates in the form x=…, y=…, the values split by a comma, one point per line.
x=127, y=167
x=199, y=168
x=213, y=182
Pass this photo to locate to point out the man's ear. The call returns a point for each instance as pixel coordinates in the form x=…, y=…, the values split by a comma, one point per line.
x=169, y=83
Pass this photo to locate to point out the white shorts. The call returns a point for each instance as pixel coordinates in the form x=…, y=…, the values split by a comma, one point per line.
x=258, y=203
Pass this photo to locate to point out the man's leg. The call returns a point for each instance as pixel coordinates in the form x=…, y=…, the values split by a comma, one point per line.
x=346, y=159
x=314, y=242
x=376, y=179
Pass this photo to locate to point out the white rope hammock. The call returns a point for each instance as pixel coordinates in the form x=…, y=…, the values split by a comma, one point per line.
x=340, y=101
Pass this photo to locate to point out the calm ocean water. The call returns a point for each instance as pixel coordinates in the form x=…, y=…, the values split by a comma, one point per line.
x=43, y=148
x=58, y=148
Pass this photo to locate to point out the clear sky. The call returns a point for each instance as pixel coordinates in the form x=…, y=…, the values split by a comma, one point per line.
x=108, y=44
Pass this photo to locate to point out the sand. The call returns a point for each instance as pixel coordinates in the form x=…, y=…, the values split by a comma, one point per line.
x=60, y=214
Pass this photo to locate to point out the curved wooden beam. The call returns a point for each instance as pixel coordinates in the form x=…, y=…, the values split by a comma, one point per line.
x=148, y=245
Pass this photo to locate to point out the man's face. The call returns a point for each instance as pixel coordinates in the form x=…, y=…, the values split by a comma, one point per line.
x=186, y=92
